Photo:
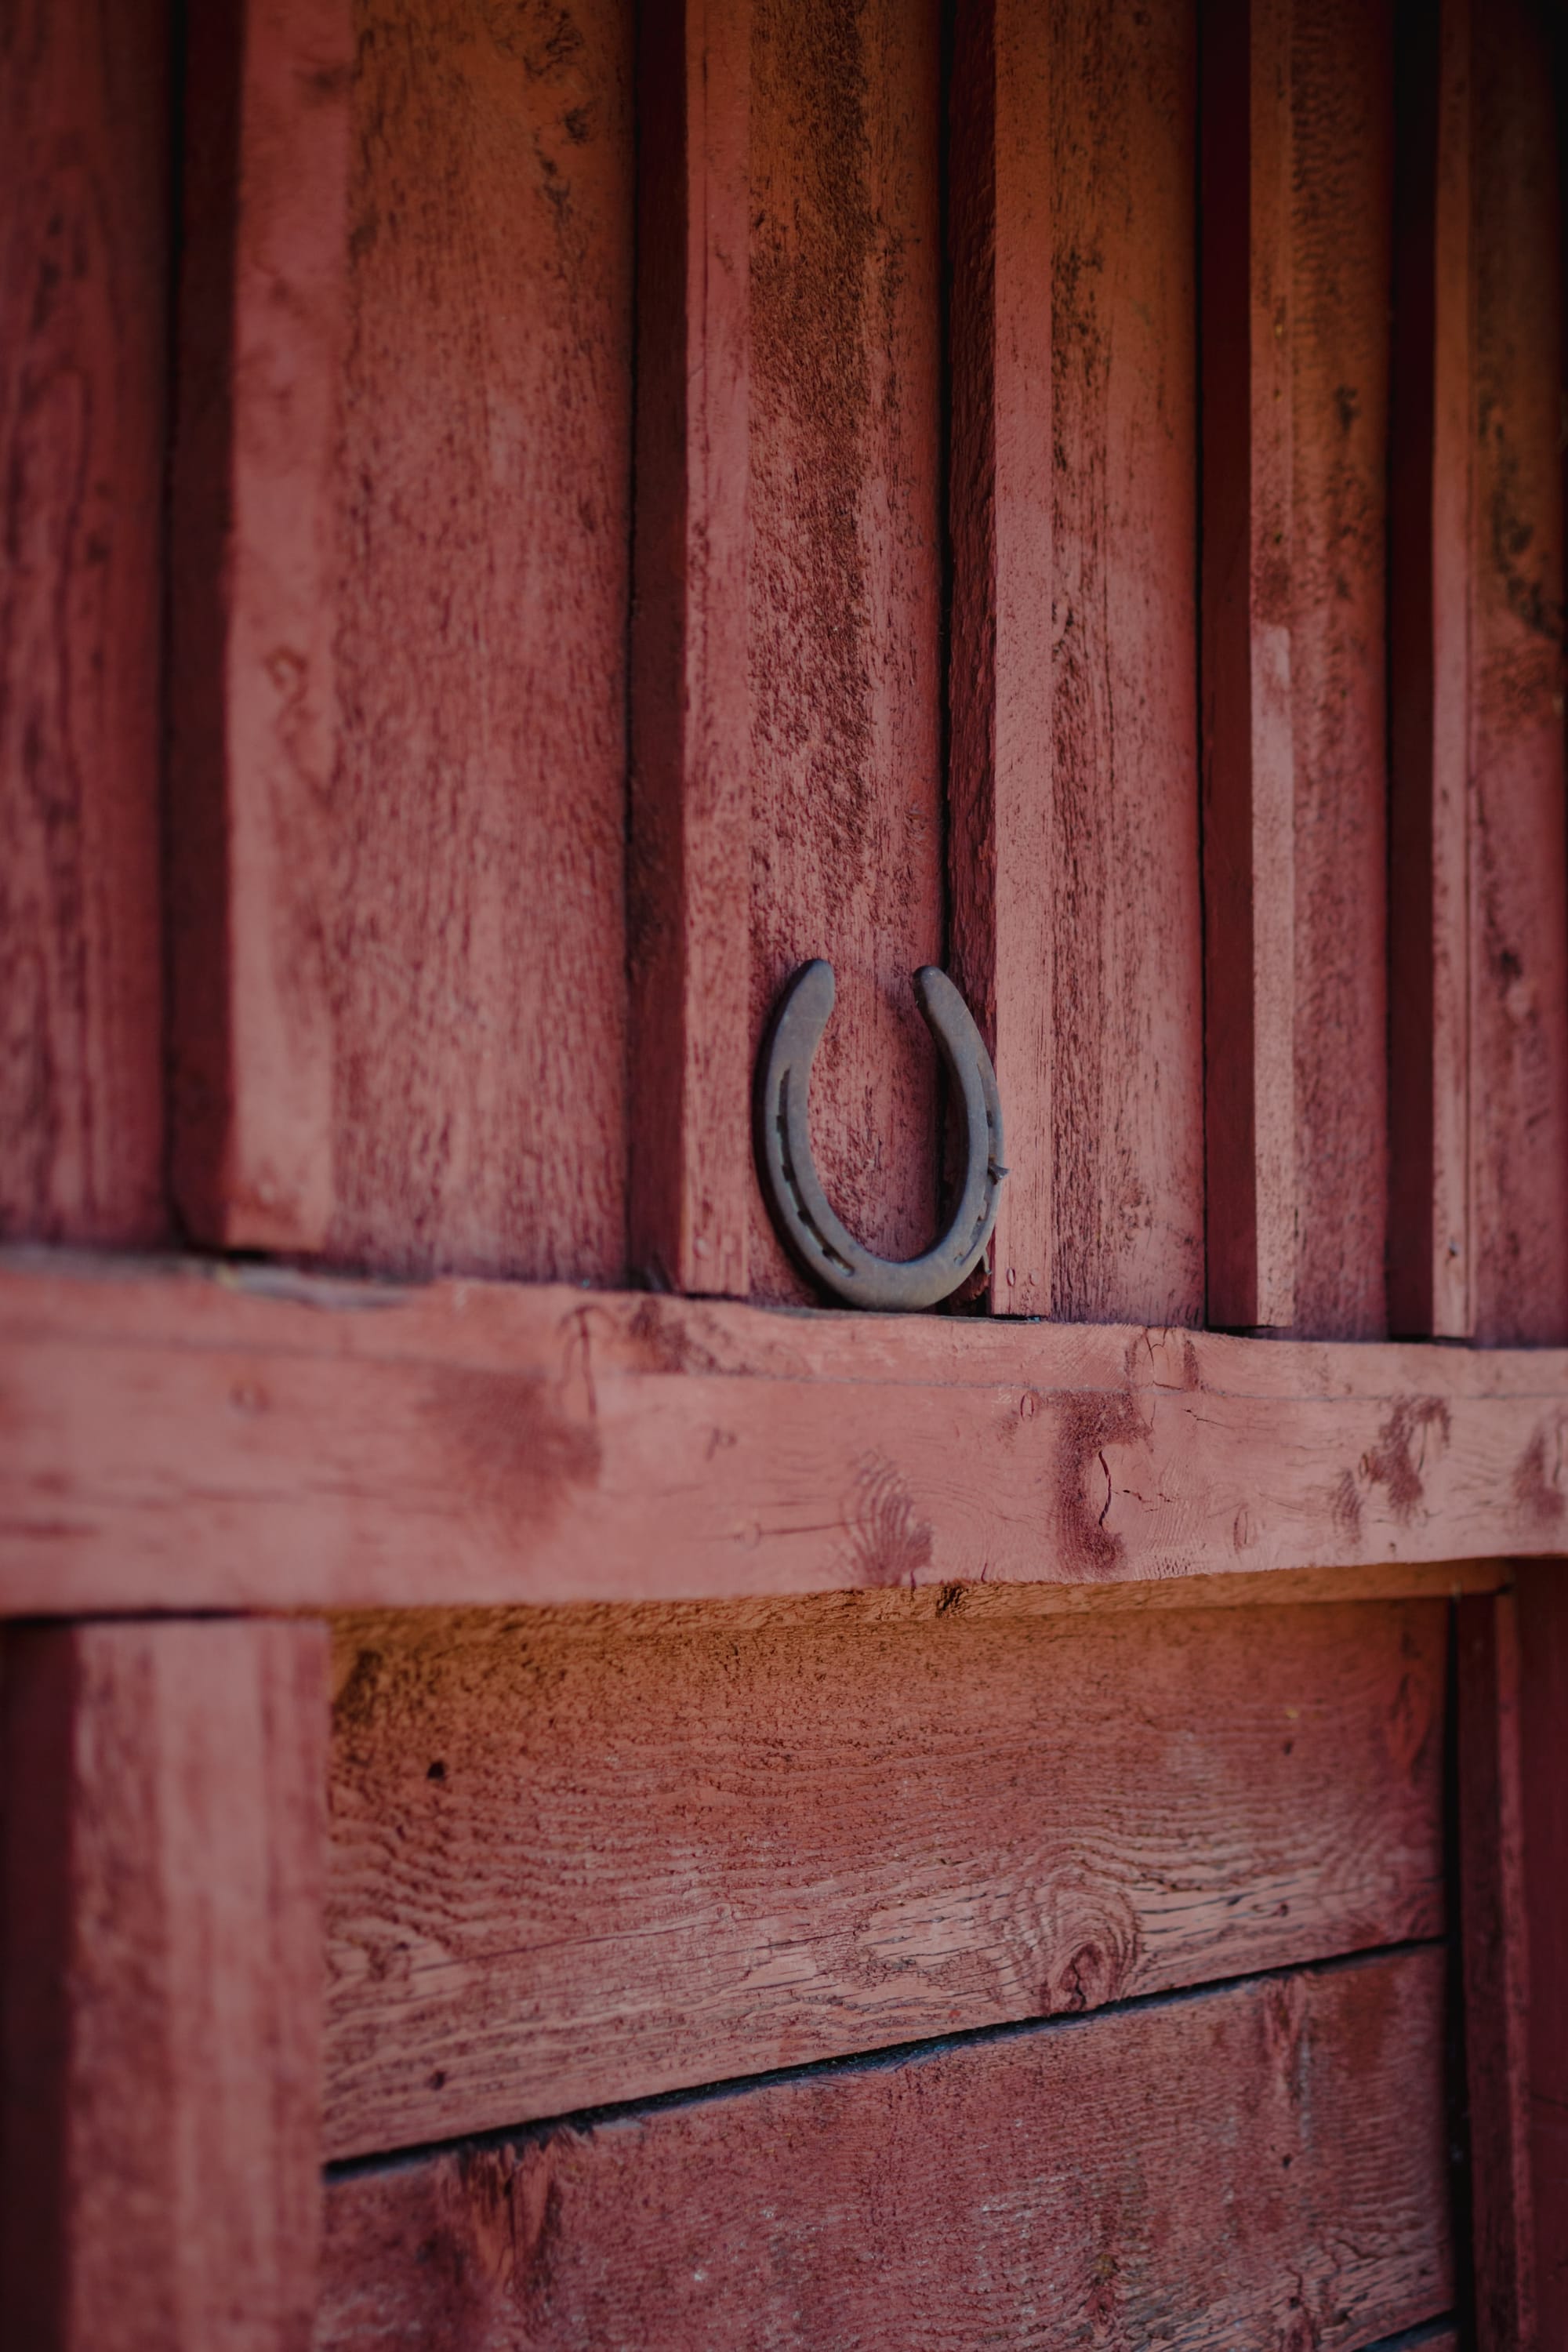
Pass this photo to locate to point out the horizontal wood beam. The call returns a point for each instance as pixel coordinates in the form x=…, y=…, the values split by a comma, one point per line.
x=180, y=1436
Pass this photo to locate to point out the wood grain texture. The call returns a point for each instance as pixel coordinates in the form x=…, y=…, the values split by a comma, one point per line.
x=1128, y=1173
x=400, y=942
x=254, y=491
x=163, y=1847
x=567, y=1871
x=1340, y=260
x=787, y=683
x=1258, y=2165
x=1542, y=1606
x=1519, y=1077
x=476, y=966
x=845, y=584
x=1495, y=1945
x=1432, y=578
x=1248, y=753
x=1298, y=179
x=84, y=173
x=1001, y=504
x=271, y=1440
x=690, y=900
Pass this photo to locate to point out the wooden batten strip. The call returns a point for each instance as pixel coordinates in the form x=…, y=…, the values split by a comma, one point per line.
x=1518, y=925
x=567, y=1870
x=84, y=239
x=1433, y=543
x=1000, y=837
x=1248, y=778
x=690, y=877
x=281, y=1442
x=161, y=1986
x=1263, y=2159
x=1496, y=1956
x=1542, y=1606
x=254, y=724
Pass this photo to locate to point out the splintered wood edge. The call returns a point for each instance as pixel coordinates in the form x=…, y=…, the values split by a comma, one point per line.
x=185, y=1436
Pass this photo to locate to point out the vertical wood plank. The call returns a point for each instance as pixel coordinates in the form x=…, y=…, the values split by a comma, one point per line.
x=844, y=583
x=690, y=881
x=84, y=236
x=787, y=685
x=1298, y=187
x=1000, y=492
x=1127, y=1178
x=402, y=501
x=1519, y=877
x=163, y=1866
x=1542, y=1590
x=1430, y=1256
x=252, y=721
x=477, y=961
x=1338, y=356
x=1250, y=792
x=1492, y=1921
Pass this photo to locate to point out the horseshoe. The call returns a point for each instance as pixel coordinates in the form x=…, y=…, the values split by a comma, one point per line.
x=807, y=1224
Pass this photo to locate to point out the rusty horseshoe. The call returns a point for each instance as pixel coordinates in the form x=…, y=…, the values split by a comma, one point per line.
x=807, y=1224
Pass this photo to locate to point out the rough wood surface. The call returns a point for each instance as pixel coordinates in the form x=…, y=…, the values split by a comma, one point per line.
x=400, y=992
x=1495, y=1947
x=162, y=1980
x=1542, y=1603
x=1342, y=165
x=1297, y=209
x=1001, y=500
x=266, y=1439
x=1431, y=552
x=84, y=192
x=1249, y=737
x=1519, y=1037
x=1127, y=1183
x=1258, y=2165
x=690, y=900
x=475, y=969
x=256, y=485
x=568, y=1870
x=845, y=584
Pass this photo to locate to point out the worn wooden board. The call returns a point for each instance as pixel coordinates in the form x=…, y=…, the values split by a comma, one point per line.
x=569, y=1867
x=266, y=1439
x=475, y=969
x=1342, y=160
x=1432, y=522
x=845, y=583
x=1297, y=210
x=1543, y=1605
x=1519, y=1015
x=1494, y=1937
x=1001, y=496
x=1254, y=2166
x=787, y=800
x=690, y=871
x=161, y=1986
x=1127, y=1184
x=399, y=1014
x=254, y=491
x=84, y=192
x=1248, y=736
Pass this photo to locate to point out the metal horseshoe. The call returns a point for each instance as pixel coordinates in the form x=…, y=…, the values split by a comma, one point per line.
x=810, y=1230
